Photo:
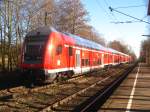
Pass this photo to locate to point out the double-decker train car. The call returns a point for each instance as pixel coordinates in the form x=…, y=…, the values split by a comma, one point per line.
x=48, y=54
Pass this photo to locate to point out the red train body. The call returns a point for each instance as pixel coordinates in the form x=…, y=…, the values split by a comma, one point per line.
x=48, y=54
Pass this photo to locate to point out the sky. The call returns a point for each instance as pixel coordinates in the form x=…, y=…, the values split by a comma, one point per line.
x=103, y=20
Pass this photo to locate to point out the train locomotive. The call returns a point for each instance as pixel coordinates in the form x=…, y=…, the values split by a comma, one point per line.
x=48, y=54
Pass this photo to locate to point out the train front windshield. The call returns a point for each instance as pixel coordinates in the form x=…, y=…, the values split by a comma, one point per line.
x=34, y=49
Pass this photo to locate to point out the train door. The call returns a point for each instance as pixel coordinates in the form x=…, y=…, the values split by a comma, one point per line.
x=70, y=54
x=102, y=59
x=113, y=59
x=77, y=62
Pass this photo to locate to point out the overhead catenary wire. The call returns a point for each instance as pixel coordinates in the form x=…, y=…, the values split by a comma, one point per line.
x=122, y=22
x=110, y=15
x=133, y=6
x=106, y=2
x=112, y=9
x=113, y=17
x=100, y=6
x=131, y=21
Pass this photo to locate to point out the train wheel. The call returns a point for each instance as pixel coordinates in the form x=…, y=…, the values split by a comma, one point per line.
x=59, y=77
x=51, y=78
x=69, y=74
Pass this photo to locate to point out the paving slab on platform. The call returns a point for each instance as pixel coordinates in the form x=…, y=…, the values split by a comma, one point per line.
x=133, y=95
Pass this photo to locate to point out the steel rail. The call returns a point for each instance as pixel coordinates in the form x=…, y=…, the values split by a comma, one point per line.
x=95, y=102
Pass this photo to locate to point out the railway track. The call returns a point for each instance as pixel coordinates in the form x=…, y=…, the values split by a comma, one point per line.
x=20, y=90
x=98, y=99
x=54, y=96
x=70, y=102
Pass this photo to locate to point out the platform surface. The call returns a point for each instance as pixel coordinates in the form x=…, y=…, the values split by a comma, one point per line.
x=133, y=95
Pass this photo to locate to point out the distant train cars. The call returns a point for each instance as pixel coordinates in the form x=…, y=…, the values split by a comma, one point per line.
x=49, y=54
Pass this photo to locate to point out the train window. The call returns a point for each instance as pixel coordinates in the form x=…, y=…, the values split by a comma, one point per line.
x=95, y=62
x=99, y=61
x=87, y=62
x=70, y=51
x=111, y=57
x=105, y=56
x=116, y=60
x=83, y=62
x=59, y=49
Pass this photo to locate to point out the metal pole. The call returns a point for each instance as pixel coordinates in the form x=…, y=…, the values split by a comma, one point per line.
x=148, y=10
x=45, y=18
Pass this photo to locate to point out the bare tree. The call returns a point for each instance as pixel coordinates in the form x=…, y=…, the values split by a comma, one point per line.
x=41, y=14
x=12, y=31
x=71, y=15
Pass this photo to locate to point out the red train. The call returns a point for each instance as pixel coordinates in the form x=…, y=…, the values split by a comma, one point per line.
x=49, y=54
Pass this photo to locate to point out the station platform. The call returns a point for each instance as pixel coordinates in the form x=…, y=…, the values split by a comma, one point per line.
x=133, y=95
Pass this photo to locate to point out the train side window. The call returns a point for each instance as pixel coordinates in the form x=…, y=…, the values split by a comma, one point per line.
x=70, y=51
x=105, y=56
x=87, y=62
x=99, y=61
x=59, y=49
x=83, y=62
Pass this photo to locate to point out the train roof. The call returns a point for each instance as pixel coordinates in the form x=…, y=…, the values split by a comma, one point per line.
x=86, y=43
x=116, y=52
x=112, y=50
x=90, y=44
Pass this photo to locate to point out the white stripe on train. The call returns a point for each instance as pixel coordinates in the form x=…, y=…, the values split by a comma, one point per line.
x=78, y=69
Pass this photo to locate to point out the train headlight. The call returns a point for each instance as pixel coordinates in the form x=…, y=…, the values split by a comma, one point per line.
x=50, y=47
